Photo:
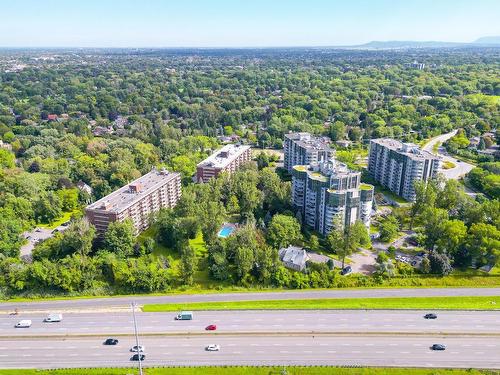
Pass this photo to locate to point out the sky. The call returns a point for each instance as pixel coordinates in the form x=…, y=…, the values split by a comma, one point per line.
x=241, y=23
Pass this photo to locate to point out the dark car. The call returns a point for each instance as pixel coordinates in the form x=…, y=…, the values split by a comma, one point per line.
x=211, y=327
x=346, y=270
x=430, y=316
x=111, y=342
x=438, y=347
x=136, y=357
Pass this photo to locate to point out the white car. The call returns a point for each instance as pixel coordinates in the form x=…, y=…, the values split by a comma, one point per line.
x=212, y=348
x=52, y=318
x=138, y=349
x=25, y=323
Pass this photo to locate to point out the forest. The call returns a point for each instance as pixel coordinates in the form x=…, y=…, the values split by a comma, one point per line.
x=105, y=117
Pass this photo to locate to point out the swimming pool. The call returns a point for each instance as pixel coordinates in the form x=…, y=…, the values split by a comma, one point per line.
x=226, y=231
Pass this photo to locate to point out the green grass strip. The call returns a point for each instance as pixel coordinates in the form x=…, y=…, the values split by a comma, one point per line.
x=458, y=303
x=246, y=370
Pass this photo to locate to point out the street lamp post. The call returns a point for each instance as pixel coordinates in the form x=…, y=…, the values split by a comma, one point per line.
x=137, y=338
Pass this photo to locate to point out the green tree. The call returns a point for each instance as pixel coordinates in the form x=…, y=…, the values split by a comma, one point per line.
x=346, y=242
x=389, y=228
x=426, y=194
x=283, y=230
x=119, y=238
x=188, y=264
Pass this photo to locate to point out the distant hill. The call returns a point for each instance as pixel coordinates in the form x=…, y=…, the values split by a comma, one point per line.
x=409, y=44
x=398, y=44
x=488, y=40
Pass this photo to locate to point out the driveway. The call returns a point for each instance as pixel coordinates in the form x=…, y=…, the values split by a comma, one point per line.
x=461, y=168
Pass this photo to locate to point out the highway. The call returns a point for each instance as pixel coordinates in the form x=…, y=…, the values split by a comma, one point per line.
x=275, y=322
x=123, y=302
x=465, y=352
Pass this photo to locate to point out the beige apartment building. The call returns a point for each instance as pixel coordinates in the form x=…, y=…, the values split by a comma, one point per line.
x=137, y=200
x=228, y=159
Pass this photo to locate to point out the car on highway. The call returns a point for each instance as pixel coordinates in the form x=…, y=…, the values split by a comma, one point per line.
x=346, y=270
x=211, y=327
x=438, y=347
x=138, y=349
x=25, y=323
x=53, y=318
x=111, y=341
x=430, y=316
x=212, y=348
x=136, y=357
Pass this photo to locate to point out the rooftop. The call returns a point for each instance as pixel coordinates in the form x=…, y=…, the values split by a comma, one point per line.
x=409, y=149
x=127, y=195
x=307, y=140
x=221, y=158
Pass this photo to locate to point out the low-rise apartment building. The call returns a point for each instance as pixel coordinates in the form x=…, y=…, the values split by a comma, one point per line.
x=228, y=159
x=136, y=201
x=304, y=149
x=396, y=165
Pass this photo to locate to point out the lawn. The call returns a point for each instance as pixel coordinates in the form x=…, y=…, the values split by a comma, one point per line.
x=247, y=370
x=64, y=218
x=389, y=194
x=448, y=165
x=453, y=303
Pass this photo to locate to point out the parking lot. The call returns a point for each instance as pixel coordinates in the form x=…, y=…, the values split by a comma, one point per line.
x=37, y=235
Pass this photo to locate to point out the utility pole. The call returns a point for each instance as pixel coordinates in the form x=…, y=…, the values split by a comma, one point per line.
x=136, y=338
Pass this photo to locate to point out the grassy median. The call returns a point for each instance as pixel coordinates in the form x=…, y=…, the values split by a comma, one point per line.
x=452, y=303
x=244, y=370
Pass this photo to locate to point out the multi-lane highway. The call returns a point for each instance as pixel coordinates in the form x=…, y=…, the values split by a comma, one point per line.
x=328, y=337
x=120, y=302
x=291, y=321
x=257, y=350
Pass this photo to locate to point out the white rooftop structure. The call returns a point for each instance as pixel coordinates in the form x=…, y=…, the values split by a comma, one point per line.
x=223, y=157
x=294, y=257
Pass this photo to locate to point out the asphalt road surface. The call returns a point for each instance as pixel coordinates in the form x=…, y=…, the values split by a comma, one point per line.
x=461, y=168
x=117, y=302
x=465, y=352
x=279, y=322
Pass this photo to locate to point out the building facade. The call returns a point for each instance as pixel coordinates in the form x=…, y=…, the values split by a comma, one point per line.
x=396, y=166
x=136, y=201
x=304, y=149
x=327, y=193
x=228, y=159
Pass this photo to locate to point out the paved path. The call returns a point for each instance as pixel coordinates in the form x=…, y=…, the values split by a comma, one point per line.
x=461, y=168
x=114, y=302
x=412, y=351
x=260, y=321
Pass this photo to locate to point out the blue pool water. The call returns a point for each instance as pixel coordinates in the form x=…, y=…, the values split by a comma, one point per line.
x=225, y=231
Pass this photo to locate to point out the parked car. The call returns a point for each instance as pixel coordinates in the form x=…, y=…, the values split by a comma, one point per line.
x=55, y=231
x=111, y=341
x=136, y=357
x=346, y=270
x=211, y=327
x=25, y=323
x=138, y=349
x=438, y=347
x=212, y=348
x=430, y=316
x=52, y=318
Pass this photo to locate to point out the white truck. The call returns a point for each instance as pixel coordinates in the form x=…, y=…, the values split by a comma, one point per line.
x=52, y=318
x=25, y=323
x=184, y=315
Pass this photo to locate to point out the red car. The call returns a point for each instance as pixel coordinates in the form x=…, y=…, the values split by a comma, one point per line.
x=211, y=327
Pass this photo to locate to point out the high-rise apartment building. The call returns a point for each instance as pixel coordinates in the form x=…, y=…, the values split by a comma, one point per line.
x=398, y=165
x=228, y=159
x=323, y=192
x=137, y=200
x=304, y=149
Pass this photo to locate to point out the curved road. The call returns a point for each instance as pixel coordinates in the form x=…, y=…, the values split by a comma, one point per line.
x=461, y=167
x=124, y=302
